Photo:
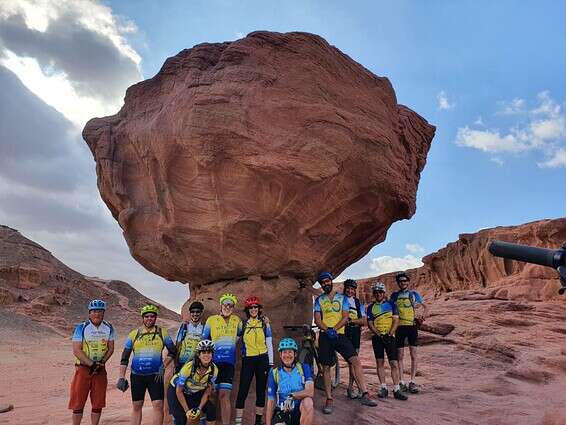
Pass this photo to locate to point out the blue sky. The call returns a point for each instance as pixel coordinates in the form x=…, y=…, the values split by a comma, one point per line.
x=490, y=75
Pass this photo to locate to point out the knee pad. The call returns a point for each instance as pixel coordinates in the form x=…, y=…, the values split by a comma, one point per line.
x=78, y=412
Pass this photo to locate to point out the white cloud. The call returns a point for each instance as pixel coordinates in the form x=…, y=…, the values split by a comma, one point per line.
x=489, y=141
x=72, y=54
x=541, y=129
x=388, y=264
x=479, y=121
x=497, y=160
x=512, y=107
x=240, y=34
x=414, y=248
x=557, y=160
x=443, y=102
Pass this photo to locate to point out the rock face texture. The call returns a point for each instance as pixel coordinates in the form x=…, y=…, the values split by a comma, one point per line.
x=37, y=286
x=467, y=264
x=274, y=155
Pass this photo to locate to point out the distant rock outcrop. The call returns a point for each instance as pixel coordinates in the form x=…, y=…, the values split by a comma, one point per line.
x=467, y=264
x=35, y=284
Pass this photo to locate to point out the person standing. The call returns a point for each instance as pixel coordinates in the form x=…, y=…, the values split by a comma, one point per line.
x=93, y=345
x=331, y=312
x=353, y=330
x=224, y=329
x=147, y=344
x=407, y=302
x=189, y=335
x=383, y=320
x=257, y=358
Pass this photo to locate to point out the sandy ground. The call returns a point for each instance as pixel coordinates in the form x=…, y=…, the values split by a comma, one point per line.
x=504, y=364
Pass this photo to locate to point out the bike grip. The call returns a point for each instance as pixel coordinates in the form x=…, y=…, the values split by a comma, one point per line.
x=529, y=254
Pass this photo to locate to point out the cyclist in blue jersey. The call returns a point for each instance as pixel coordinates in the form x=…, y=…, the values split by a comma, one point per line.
x=147, y=344
x=224, y=330
x=290, y=389
x=407, y=302
x=189, y=335
x=93, y=344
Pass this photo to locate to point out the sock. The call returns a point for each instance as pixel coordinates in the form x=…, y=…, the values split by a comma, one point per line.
x=402, y=382
x=238, y=421
x=384, y=386
x=412, y=382
x=258, y=418
x=397, y=388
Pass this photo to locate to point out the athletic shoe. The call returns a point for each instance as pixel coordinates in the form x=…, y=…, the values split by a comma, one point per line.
x=383, y=393
x=327, y=409
x=366, y=401
x=403, y=388
x=413, y=389
x=399, y=395
x=352, y=394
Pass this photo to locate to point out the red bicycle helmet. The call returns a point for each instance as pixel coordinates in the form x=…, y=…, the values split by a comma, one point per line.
x=252, y=301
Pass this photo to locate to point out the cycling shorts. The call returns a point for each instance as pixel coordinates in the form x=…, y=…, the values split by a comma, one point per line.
x=193, y=400
x=382, y=345
x=289, y=418
x=409, y=333
x=225, y=377
x=141, y=383
x=328, y=347
x=354, y=334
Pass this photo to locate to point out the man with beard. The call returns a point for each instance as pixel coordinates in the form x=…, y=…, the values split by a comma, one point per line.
x=331, y=312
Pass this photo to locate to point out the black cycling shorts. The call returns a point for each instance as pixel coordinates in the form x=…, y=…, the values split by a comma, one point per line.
x=382, y=345
x=354, y=334
x=193, y=400
x=407, y=333
x=327, y=347
x=141, y=383
x=225, y=376
x=289, y=418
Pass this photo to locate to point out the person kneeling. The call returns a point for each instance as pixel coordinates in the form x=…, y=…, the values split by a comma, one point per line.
x=190, y=389
x=290, y=389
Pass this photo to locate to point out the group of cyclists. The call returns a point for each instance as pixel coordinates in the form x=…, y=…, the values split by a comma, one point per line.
x=204, y=357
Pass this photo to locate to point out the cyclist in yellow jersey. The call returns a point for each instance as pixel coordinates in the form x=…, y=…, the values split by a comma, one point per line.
x=190, y=390
x=407, y=301
x=331, y=315
x=147, y=344
x=383, y=320
x=257, y=357
x=224, y=330
x=93, y=344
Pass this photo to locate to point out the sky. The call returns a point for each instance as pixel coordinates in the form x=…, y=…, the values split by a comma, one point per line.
x=489, y=75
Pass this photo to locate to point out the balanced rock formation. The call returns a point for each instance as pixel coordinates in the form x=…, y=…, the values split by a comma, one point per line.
x=272, y=156
x=35, y=285
x=467, y=264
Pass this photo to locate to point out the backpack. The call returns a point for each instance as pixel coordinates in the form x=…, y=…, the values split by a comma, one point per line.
x=299, y=367
x=245, y=325
x=157, y=331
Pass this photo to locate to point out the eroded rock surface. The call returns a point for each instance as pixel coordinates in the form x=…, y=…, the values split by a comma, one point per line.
x=467, y=265
x=272, y=155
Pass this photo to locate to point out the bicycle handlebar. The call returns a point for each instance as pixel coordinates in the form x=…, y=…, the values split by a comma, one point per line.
x=543, y=256
x=555, y=258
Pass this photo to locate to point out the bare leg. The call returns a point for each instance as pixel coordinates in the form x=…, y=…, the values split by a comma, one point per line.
x=413, y=351
x=401, y=352
x=381, y=370
x=95, y=418
x=225, y=407
x=137, y=412
x=350, y=377
x=327, y=382
x=394, y=372
x=157, y=412
x=307, y=411
x=358, y=373
x=77, y=418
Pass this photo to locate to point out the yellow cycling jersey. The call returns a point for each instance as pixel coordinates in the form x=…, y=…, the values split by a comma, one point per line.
x=224, y=334
x=331, y=310
x=192, y=381
x=94, y=339
x=405, y=301
x=255, y=337
x=382, y=316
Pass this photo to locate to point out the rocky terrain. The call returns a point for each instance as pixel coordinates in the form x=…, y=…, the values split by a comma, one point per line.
x=39, y=291
x=264, y=160
x=467, y=265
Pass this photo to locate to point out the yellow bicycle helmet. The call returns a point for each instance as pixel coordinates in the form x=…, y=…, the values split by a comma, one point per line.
x=149, y=308
x=229, y=297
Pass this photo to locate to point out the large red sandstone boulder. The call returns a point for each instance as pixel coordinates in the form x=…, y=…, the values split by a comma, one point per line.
x=274, y=155
x=467, y=264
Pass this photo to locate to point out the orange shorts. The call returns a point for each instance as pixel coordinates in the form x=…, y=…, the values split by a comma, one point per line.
x=83, y=384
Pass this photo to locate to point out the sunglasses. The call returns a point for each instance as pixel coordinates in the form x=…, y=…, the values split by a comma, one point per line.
x=149, y=316
x=206, y=351
x=403, y=281
x=228, y=305
x=196, y=312
x=253, y=306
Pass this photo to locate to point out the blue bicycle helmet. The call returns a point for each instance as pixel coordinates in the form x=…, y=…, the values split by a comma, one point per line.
x=288, y=344
x=96, y=305
x=324, y=275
